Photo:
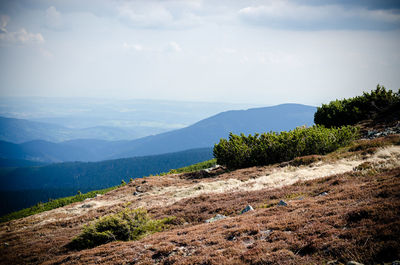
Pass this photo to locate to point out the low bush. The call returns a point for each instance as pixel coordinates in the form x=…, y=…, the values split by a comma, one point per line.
x=125, y=225
x=353, y=110
x=268, y=148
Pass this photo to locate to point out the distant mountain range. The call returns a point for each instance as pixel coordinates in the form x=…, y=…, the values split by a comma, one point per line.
x=20, y=131
x=204, y=133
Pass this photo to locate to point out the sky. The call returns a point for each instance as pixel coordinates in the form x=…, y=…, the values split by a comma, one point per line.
x=258, y=52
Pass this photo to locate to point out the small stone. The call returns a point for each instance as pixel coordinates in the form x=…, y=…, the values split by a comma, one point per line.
x=247, y=209
x=135, y=193
x=265, y=233
x=323, y=194
x=231, y=238
x=87, y=205
x=98, y=195
x=282, y=203
x=6, y=244
x=333, y=262
x=216, y=218
x=354, y=263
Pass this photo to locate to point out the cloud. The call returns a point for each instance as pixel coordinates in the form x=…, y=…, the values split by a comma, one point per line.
x=172, y=47
x=289, y=15
x=53, y=19
x=3, y=24
x=134, y=47
x=21, y=36
x=160, y=14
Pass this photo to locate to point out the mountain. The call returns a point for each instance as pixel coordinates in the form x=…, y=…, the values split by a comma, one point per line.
x=20, y=131
x=204, y=133
x=207, y=132
x=25, y=186
x=141, y=117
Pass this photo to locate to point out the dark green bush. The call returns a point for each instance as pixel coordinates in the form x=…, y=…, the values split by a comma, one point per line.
x=352, y=110
x=268, y=148
x=125, y=225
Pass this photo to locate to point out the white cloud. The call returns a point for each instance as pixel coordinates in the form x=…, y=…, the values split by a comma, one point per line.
x=21, y=36
x=160, y=14
x=135, y=47
x=53, y=18
x=172, y=47
x=3, y=23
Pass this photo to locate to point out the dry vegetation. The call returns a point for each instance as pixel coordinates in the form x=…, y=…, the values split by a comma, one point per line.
x=357, y=219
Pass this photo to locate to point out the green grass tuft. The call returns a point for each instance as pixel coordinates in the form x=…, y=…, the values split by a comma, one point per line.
x=125, y=225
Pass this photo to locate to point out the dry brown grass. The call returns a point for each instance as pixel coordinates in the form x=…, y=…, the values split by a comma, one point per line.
x=357, y=220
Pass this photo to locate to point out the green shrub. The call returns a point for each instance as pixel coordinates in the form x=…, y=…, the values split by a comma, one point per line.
x=352, y=110
x=268, y=148
x=125, y=225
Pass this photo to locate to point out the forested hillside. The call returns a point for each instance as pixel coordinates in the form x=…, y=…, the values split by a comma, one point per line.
x=23, y=187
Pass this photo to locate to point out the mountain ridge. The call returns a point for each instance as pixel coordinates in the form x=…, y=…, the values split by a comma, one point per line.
x=204, y=133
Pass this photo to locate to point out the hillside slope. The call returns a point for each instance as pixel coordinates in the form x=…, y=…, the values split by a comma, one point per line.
x=340, y=207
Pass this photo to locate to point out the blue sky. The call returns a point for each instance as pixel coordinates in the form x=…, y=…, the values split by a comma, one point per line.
x=261, y=52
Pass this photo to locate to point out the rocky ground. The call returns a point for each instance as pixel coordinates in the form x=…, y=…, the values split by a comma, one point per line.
x=330, y=209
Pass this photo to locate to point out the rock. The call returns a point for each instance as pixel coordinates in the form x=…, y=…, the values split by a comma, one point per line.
x=333, y=262
x=6, y=244
x=139, y=189
x=354, y=263
x=231, y=238
x=211, y=168
x=323, y=194
x=135, y=193
x=247, y=209
x=98, y=195
x=265, y=233
x=87, y=205
x=396, y=262
x=282, y=203
x=371, y=133
x=216, y=218
x=284, y=164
